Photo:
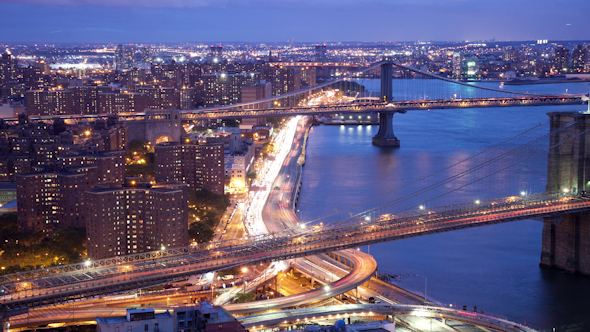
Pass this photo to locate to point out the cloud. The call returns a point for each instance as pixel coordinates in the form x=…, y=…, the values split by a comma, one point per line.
x=219, y=3
x=118, y=3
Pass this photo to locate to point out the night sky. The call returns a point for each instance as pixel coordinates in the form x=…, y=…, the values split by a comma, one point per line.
x=153, y=21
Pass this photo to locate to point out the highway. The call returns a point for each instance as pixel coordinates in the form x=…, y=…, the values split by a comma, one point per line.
x=365, y=266
x=298, y=316
x=278, y=214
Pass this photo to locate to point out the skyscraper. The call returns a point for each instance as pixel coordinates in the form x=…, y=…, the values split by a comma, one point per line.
x=124, y=57
x=457, y=63
x=8, y=67
x=146, y=56
x=562, y=58
x=320, y=53
x=579, y=58
x=215, y=54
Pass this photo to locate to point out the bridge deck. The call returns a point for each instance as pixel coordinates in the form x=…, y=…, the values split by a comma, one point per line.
x=57, y=285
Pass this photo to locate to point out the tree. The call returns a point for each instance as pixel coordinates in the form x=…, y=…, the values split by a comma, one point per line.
x=138, y=147
x=251, y=175
x=200, y=232
x=243, y=298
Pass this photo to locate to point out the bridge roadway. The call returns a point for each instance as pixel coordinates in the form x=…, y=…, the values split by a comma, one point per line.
x=49, y=286
x=235, y=111
x=292, y=317
x=393, y=106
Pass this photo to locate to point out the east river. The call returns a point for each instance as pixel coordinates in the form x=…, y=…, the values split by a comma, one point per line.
x=495, y=268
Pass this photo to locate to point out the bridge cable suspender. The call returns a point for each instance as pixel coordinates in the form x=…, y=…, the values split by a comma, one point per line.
x=433, y=174
x=517, y=150
x=462, y=174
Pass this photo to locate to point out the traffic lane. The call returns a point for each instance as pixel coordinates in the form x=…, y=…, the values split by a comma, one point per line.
x=365, y=266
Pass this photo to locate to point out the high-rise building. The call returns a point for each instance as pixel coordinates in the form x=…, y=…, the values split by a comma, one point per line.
x=171, y=73
x=579, y=58
x=85, y=98
x=188, y=98
x=33, y=77
x=215, y=54
x=282, y=80
x=134, y=219
x=225, y=88
x=124, y=57
x=146, y=54
x=320, y=53
x=199, y=166
x=47, y=200
x=511, y=55
x=161, y=97
x=8, y=67
x=256, y=91
x=457, y=63
x=49, y=102
x=122, y=102
x=562, y=58
x=308, y=76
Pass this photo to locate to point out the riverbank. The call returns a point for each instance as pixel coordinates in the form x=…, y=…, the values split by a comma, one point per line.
x=308, y=125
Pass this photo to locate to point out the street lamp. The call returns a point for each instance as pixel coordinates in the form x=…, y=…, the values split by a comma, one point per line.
x=425, y=284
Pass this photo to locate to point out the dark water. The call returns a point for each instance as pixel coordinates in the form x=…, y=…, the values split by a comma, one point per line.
x=494, y=267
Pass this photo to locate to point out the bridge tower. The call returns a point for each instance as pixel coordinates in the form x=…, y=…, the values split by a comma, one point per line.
x=566, y=240
x=157, y=126
x=385, y=136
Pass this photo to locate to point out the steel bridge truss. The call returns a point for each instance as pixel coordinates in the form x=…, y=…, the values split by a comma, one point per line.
x=120, y=274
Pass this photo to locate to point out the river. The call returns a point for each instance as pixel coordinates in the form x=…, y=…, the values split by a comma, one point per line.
x=495, y=268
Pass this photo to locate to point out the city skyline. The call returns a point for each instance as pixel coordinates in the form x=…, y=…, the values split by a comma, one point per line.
x=68, y=21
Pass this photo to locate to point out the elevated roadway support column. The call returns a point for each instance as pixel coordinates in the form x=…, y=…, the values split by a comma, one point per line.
x=566, y=239
x=385, y=136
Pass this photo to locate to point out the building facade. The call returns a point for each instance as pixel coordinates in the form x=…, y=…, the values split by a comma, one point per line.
x=199, y=166
x=134, y=219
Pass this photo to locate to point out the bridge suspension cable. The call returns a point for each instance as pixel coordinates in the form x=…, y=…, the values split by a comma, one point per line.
x=454, y=165
x=522, y=153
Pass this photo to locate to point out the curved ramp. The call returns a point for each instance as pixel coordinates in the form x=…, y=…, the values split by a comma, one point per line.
x=364, y=267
